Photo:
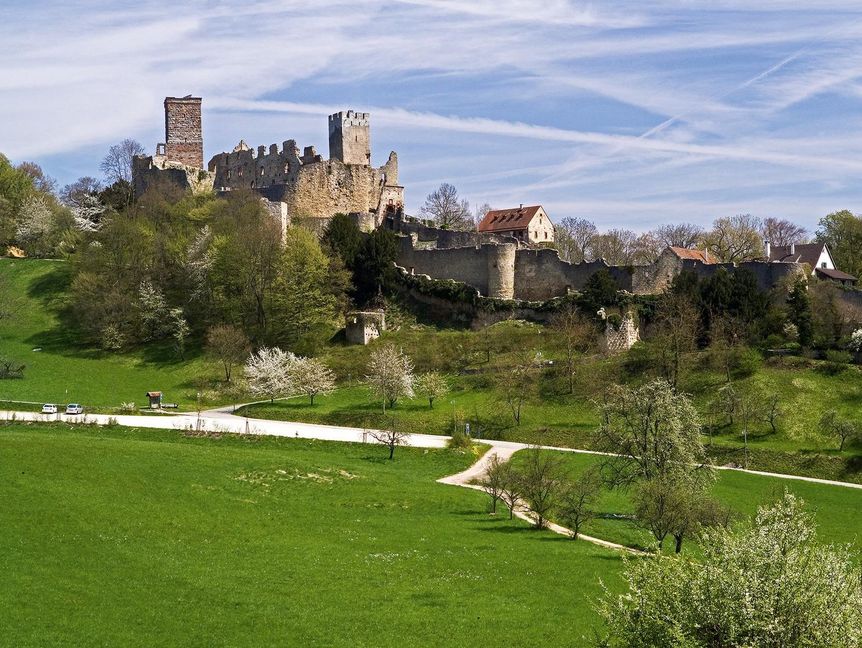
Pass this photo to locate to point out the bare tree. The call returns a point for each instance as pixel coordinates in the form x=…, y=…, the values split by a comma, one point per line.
x=516, y=382
x=85, y=185
x=735, y=239
x=683, y=235
x=540, y=481
x=117, y=163
x=510, y=489
x=390, y=374
x=480, y=212
x=614, y=246
x=447, y=209
x=392, y=436
x=432, y=386
x=677, y=329
x=42, y=181
x=577, y=500
x=779, y=231
x=578, y=334
x=646, y=249
x=844, y=429
x=574, y=239
x=493, y=481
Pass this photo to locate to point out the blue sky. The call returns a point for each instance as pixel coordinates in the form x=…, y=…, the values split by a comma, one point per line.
x=630, y=114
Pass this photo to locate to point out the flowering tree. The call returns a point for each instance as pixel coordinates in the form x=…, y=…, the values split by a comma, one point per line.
x=855, y=343
x=269, y=372
x=390, y=374
x=432, y=386
x=768, y=584
x=312, y=377
x=87, y=211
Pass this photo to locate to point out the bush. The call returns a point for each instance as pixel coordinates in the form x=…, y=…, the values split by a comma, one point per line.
x=460, y=440
x=744, y=362
x=10, y=368
x=836, y=362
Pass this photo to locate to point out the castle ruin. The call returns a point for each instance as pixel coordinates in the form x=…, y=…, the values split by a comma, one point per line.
x=308, y=185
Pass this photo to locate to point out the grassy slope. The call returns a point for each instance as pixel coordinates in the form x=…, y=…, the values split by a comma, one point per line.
x=64, y=371
x=120, y=537
x=836, y=508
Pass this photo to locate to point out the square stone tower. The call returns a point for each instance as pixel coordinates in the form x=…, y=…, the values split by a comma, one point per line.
x=183, y=135
x=350, y=138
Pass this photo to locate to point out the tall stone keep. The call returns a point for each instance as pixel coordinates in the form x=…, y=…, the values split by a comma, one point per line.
x=350, y=138
x=184, y=141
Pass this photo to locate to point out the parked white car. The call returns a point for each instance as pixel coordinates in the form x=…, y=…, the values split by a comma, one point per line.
x=74, y=408
x=49, y=408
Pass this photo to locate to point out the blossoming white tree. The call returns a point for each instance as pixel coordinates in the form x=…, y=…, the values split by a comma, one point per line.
x=311, y=377
x=269, y=372
x=770, y=584
x=390, y=374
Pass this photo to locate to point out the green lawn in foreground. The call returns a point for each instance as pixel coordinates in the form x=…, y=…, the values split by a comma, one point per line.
x=837, y=509
x=143, y=538
x=64, y=371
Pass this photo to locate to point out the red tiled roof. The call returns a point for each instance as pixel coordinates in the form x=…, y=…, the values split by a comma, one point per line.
x=693, y=255
x=504, y=220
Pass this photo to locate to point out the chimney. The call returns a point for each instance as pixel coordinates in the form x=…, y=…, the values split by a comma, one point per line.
x=793, y=249
x=767, y=249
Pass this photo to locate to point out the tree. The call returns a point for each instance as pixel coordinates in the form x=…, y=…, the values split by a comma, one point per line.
x=600, y=290
x=683, y=235
x=578, y=335
x=343, y=237
x=229, y=345
x=839, y=427
x=36, y=225
x=311, y=377
x=576, y=502
x=446, y=209
x=392, y=436
x=432, y=386
x=540, y=481
x=117, y=163
x=615, y=246
x=574, y=239
x=83, y=186
x=735, y=238
x=842, y=232
x=676, y=333
x=493, y=481
x=390, y=374
x=87, y=211
x=268, y=372
x=646, y=249
x=799, y=312
x=302, y=302
x=510, y=489
x=653, y=432
x=515, y=383
x=769, y=583
x=374, y=265
x=480, y=212
x=179, y=330
x=781, y=232
x=41, y=181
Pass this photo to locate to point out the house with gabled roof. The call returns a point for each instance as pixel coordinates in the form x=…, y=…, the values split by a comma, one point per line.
x=815, y=255
x=527, y=224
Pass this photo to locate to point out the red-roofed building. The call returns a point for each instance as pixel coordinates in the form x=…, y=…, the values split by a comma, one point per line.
x=692, y=255
x=528, y=224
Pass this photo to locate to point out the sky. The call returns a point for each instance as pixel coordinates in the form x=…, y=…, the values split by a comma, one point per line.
x=629, y=114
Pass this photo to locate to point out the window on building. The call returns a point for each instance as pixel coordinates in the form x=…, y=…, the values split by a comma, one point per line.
x=823, y=265
x=546, y=236
x=261, y=170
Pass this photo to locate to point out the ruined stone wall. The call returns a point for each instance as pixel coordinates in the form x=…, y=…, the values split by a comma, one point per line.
x=183, y=133
x=657, y=277
x=149, y=171
x=441, y=238
x=541, y=274
x=310, y=186
x=468, y=264
x=501, y=270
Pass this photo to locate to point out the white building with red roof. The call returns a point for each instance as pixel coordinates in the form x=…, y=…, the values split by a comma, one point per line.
x=528, y=224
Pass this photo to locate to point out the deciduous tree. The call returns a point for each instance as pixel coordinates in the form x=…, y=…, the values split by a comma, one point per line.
x=540, y=479
x=576, y=504
x=390, y=375
x=574, y=239
x=432, y=386
x=735, y=238
x=229, y=345
x=312, y=377
x=268, y=372
x=447, y=209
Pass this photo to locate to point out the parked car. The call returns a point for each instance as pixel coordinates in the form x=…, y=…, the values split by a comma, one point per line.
x=74, y=408
x=49, y=408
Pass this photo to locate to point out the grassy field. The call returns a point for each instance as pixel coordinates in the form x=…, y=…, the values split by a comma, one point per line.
x=836, y=508
x=140, y=538
x=63, y=371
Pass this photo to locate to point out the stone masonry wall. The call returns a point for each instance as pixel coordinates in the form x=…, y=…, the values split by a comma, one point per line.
x=468, y=264
x=350, y=137
x=183, y=133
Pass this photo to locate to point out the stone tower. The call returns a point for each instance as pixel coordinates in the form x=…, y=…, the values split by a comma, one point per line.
x=183, y=135
x=350, y=138
x=501, y=270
